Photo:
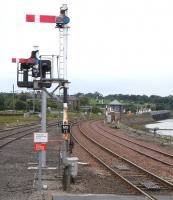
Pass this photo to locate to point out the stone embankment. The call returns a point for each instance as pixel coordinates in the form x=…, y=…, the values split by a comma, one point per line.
x=136, y=125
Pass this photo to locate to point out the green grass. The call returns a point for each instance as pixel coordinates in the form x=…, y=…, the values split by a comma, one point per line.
x=14, y=120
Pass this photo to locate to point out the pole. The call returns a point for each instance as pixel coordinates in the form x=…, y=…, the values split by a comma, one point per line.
x=40, y=172
x=65, y=121
x=65, y=40
x=43, y=123
x=42, y=157
x=13, y=98
x=33, y=102
x=42, y=154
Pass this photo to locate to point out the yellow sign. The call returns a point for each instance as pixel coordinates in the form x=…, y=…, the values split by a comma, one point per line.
x=66, y=136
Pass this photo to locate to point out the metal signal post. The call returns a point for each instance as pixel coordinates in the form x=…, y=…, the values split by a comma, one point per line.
x=61, y=22
x=38, y=74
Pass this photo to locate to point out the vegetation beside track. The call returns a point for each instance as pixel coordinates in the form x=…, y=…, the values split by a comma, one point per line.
x=12, y=120
x=137, y=121
x=20, y=103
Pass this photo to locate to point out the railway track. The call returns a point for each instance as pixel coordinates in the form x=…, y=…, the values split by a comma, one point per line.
x=16, y=127
x=152, y=153
x=141, y=180
x=149, y=159
x=18, y=132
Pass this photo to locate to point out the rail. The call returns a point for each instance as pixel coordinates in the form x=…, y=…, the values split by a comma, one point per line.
x=136, y=187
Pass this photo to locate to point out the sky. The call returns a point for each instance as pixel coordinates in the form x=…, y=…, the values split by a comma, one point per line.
x=114, y=46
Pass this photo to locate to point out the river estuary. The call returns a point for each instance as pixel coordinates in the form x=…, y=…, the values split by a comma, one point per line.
x=163, y=124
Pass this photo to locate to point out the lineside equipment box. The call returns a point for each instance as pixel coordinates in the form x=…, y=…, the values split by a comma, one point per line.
x=65, y=128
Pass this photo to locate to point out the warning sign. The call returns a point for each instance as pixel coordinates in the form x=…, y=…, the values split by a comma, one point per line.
x=40, y=137
x=39, y=147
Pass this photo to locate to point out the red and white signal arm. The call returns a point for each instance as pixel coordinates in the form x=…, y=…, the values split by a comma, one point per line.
x=40, y=137
x=19, y=60
x=41, y=18
x=23, y=60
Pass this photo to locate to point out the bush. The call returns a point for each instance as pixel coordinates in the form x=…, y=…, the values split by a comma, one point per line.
x=20, y=105
x=96, y=110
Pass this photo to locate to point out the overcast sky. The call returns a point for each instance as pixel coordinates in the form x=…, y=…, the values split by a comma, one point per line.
x=115, y=46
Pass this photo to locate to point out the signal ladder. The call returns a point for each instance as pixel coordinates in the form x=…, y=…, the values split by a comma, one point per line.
x=62, y=69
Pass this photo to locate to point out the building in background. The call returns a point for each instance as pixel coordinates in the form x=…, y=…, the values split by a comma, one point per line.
x=113, y=112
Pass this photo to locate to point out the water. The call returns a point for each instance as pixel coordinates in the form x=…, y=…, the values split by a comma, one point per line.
x=163, y=124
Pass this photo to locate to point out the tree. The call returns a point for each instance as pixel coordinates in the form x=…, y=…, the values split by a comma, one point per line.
x=2, y=102
x=20, y=105
x=96, y=110
x=52, y=103
x=79, y=94
x=84, y=101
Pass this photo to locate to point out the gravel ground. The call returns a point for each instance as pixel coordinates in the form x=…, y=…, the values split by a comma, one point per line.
x=16, y=181
x=19, y=183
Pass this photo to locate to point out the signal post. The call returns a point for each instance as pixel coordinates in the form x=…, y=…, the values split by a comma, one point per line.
x=37, y=72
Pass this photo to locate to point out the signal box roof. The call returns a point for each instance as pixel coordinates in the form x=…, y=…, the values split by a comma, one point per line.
x=115, y=102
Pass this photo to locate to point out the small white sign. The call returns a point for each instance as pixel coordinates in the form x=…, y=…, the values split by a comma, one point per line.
x=40, y=137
